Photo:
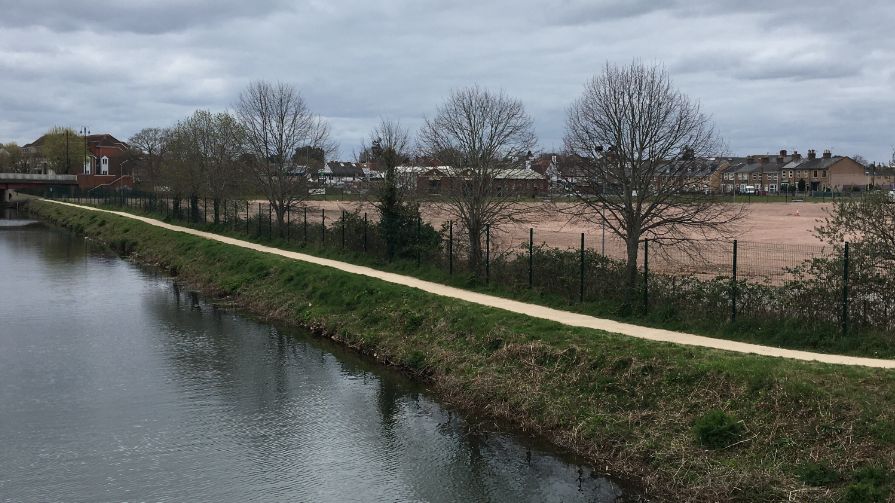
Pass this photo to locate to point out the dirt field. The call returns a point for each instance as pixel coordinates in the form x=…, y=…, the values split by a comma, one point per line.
x=783, y=223
x=773, y=237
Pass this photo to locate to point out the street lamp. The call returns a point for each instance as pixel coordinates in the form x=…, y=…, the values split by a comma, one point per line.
x=85, y=132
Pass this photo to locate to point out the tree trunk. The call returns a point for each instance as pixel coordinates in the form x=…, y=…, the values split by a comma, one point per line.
x=631, y=273
x=475, y=247
x=280, y=211
x=194, y=207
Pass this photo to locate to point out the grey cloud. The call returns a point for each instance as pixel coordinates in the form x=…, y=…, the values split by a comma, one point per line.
x=137, y=16
x=773, y=74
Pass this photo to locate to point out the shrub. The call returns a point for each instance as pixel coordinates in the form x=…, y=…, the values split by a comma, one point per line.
x=716, y=429
x=817, y=474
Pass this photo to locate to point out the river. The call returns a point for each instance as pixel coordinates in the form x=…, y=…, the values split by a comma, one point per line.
x=118, y=385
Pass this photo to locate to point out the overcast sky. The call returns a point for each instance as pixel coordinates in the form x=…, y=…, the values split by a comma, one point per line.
x=773, y=74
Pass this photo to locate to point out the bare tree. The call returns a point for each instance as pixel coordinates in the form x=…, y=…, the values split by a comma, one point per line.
x=225, y=145
x=277, y=123
x=389, y=147
x=149, y=150
x=640, y=144
x=481, y=137
x=185, y=163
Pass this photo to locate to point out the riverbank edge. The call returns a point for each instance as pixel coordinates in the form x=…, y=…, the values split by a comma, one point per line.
x=617, y=401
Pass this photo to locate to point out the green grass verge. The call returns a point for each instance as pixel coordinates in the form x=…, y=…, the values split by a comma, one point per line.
x=688, y=424
x=750, y=327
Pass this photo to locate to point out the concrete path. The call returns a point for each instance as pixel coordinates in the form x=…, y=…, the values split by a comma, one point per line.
x=564, y=317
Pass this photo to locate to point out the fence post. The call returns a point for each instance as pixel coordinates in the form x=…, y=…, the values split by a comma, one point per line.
x=581, y=282
x=204, y=210
x=247, y=217
x=269, y=221
x=365, y=232
x=288, y=221
x=259, y=220
x=451, y=248
x=531, y=241
x=343, y=229
x=322, y=227
x=487, y=253
x=419, y=243
x=733, y=286
x=305, y=224
x=845, y=291
x=645, y=276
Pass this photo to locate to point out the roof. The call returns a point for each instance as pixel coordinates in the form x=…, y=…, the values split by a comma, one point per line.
x=343, y=169
x=500, y=174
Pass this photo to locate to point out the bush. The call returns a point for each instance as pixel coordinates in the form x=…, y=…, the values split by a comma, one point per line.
x=716, y=429
x=870, y=484
x=817, y=474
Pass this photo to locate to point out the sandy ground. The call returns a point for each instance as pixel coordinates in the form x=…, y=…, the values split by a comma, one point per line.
x=783, y=223
x=536, y=311
x=773, y=237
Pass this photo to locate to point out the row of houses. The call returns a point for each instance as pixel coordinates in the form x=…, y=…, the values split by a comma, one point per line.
x=758, y=174
x=768, y=174
x=106, y=161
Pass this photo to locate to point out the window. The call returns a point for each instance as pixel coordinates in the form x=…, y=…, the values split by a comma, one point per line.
x=87, y=167
x=772, y=187
x=823, y=173
x=104, y=165
x=815, y=173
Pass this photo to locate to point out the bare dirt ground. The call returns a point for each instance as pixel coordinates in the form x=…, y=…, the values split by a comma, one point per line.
x=773, y=236
x=784, y=223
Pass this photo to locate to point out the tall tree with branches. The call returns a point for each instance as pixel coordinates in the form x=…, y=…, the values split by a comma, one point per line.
x=639, y=145
x=482, y=137
x=389, y=147
x=148, y=151
x=277, y=122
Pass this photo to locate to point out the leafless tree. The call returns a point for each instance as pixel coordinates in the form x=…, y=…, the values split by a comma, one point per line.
x=277, y=123
x=482, y=137
x=388, y=148
x=149, y=145
x=185, y=164
x=640, y=145
x=225, y=144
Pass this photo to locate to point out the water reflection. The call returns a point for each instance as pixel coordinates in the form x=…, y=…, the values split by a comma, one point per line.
x=140, y=390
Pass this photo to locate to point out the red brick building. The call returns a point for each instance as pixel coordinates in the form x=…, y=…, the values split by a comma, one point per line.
x=106, y=164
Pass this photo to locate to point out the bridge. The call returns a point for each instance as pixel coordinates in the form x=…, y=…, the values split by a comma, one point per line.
x=10, y=182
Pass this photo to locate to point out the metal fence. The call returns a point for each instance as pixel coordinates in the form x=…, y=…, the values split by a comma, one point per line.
x=813, y=290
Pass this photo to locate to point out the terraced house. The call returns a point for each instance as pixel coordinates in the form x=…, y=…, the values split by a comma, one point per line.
x=770, y=174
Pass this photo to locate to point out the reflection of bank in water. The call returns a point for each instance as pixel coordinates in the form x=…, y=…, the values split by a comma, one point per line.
x=10, y=218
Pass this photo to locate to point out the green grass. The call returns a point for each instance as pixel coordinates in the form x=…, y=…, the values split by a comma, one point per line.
x=758, y=329
x=628, y=404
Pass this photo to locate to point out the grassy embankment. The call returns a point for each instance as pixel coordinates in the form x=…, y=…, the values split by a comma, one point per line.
x=689, y=424
x=676, y=312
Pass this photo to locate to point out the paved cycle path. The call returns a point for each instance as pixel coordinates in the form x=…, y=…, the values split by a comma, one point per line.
x=534, y=310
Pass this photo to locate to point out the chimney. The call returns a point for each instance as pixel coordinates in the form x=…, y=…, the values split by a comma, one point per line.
x=796, y=155
x=827, y=154
x=812, y=155
x=783, y=153
x=764, y=159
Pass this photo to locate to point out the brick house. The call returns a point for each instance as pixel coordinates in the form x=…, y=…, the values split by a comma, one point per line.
x=106, y=163
x=767, y=174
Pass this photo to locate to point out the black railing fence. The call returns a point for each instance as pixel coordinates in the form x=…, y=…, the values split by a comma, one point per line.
x=820, y=292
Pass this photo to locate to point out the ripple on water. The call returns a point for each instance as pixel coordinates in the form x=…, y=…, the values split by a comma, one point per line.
x=127, y=390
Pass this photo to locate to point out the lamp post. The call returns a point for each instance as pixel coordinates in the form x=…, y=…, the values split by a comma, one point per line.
x=85, y=132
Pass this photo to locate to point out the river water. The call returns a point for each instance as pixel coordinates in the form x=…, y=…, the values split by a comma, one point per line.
x=116, y=385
